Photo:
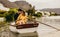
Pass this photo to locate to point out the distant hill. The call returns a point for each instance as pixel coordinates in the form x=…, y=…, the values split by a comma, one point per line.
x=23, y=4
x=8, y=4
x=17, y=4
x=56, y=10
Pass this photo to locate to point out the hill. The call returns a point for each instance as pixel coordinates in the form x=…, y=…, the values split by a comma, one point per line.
x=56, y=10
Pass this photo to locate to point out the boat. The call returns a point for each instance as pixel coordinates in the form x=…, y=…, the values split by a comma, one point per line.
x=24, y=28
x=30, y=25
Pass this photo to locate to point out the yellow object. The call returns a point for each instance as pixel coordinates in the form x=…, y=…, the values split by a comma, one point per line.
x=21, y=19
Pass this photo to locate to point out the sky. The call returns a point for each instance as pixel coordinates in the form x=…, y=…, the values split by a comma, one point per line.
x=41, y=4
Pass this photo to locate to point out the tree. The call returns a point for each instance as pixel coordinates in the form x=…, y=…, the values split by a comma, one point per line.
x=2, y=12
x=10, y=15
x=31, y=11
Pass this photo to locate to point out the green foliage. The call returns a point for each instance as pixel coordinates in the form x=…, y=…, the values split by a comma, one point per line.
x=54, y=14
x=13, y=10
x=10, y=15
x=9, y=18
x=2, y=13
x=31, y=11
x=38, y=14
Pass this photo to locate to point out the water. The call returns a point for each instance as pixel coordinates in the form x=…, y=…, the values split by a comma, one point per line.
x=53, y=21
x=44, y=30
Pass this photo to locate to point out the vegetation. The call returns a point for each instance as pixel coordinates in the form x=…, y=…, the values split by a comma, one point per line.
x=38, y=14
x=32, y=11
x=53, y=14
x=2, y=13
x=10, y=15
